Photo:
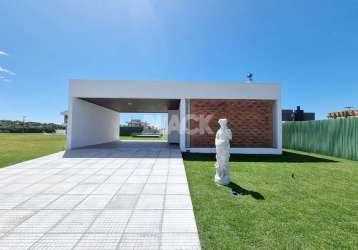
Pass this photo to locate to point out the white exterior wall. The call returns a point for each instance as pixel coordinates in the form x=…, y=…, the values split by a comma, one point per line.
x=90, y=124
x=277, y=125
x=173, y=126
x=183, y=122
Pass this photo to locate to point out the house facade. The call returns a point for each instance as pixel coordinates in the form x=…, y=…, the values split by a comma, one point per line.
x=253, y=111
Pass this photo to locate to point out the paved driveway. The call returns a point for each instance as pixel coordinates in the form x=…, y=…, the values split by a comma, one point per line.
x=126, y=195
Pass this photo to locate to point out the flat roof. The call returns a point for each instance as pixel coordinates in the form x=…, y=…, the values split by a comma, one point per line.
x=172, y=89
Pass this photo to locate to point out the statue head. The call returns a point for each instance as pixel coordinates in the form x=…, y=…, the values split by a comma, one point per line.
x=223, y=123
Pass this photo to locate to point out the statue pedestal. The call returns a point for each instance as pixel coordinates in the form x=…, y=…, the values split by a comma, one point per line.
x=222, y=181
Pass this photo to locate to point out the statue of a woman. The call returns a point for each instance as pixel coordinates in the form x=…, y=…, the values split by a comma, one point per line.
x=222, y=143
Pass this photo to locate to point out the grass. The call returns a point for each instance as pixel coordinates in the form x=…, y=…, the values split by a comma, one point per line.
x=15, y=148
x=161, y=138
x=317, y=209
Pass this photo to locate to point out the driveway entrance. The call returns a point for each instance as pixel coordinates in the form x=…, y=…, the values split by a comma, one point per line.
x=124, y=195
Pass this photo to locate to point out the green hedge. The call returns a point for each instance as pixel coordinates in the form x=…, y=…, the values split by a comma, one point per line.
x=336, y=137
x=126, y=131
x=27, y=130
x=9, y=126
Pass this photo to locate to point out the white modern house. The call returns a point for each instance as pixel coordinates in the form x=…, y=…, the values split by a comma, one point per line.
x=253, y=111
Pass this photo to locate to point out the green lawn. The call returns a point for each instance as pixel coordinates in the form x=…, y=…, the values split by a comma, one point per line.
x=162, y=138
x=16, y=148
x=317, y=209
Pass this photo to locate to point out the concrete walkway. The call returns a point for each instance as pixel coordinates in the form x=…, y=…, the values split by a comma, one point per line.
x=126, y=195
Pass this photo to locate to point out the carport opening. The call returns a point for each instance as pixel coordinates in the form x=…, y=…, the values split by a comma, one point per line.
x=144, y=119
x=143, y=126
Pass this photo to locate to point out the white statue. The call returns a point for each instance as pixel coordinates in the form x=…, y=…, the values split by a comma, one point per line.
x=222, y=143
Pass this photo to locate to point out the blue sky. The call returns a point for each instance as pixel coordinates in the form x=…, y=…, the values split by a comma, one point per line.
x=310, y=47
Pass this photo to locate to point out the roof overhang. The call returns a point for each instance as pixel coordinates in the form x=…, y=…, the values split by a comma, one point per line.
x=166, y=90
x=136, y=105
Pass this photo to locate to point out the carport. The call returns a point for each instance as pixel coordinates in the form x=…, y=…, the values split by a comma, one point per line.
x=96, y=120
x=253, y=110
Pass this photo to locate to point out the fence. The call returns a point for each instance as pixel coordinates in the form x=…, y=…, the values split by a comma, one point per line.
x=125, y=131
x=336, y=137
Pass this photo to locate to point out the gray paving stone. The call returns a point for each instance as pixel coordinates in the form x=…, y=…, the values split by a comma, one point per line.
x=95, y=202
x=142, y=171
x=54, y=179
x=140, y=241
x=155, y=179
x=83, y=189
x=95, y=179
x=131, y=197
x=181, y=179
x=131, y=188
x=36, y=188
x=38, y=201
x=9, y=201
x=160, y=171
x=75, y=222
x=41, y=222
x=108, y=241
x=66, y=202
x=122, y=202
x=57, y=241
x=141, y=179
x=108, y=188
x=182, y=241
x=156, y=188
x=11, y=218
x=75, y=178
x=106, y=171
x=145, y=221
x=125, y=171
x=179, y=221
x=88, y=171
x=13, y=187
x=60, y=188
x=150, y=202
x=111, y=221
x=177, y=189
x=18, y=241
x=178, y=202
x=117, y=179
x=176, y=172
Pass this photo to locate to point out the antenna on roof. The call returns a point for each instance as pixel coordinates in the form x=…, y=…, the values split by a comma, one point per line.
x=349, y=108
x=249, y=77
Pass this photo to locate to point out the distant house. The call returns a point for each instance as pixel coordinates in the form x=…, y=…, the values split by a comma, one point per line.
x=297, y=115
x=65, y=117
x=136, y=126
x=138, y=123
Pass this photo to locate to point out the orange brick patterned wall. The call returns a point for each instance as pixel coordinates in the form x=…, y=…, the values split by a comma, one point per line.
x=249, y=120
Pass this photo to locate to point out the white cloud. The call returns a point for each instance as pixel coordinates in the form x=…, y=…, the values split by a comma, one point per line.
x=4, y=79
x=6, y=71
x=3, y=53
